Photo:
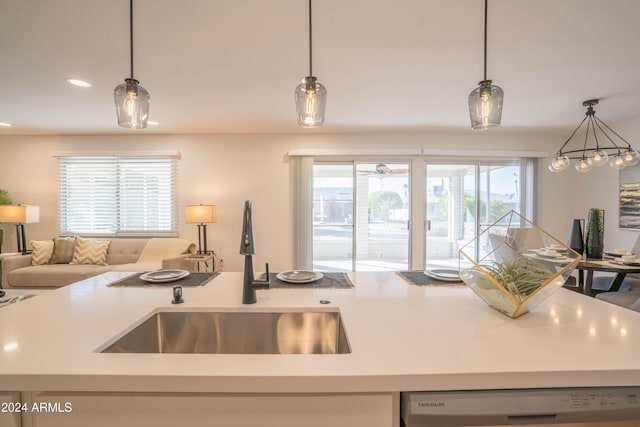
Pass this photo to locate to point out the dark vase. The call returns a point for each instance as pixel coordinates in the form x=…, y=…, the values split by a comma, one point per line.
x=594, y=241
x=576, y=238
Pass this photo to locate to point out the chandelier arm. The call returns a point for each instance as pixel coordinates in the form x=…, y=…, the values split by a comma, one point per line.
x=595, y=134
x=131, y=35
x=569, y=139
x=599, y=122
x=586, y=139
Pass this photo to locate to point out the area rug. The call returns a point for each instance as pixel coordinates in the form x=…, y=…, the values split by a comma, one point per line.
x=192, y=280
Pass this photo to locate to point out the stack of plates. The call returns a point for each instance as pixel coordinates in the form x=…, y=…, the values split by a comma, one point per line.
x=299, y=276
x=445, y=275
x=163, y=276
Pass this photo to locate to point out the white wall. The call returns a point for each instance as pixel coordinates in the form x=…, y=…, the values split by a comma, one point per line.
x=226, y=170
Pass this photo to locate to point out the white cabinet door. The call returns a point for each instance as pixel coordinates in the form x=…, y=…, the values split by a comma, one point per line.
x=10, y=409
x=194, y=409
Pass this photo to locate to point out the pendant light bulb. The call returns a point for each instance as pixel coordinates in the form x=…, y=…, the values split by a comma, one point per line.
x=584, y=165
x=559, y=163
x=600, y=157
x=617, y=162
x=485, y=105
x=131, y=99
x=311, y=99
x=631, y=157
x=132, y=104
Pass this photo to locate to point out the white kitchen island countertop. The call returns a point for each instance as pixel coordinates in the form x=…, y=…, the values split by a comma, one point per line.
x=402, y=337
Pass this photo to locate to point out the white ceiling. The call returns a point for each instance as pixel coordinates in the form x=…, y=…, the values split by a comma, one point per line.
x=231, y=66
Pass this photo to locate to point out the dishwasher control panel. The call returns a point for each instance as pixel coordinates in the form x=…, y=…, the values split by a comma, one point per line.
x=521, y=406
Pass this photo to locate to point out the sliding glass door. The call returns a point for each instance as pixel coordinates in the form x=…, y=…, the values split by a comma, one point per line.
x=361, y=216
x=462, y=200
x=362, y=210
x=333, y=216
x=450, y=212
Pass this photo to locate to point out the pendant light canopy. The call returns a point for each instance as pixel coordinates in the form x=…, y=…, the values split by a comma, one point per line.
x=132, y=100
x=310, y=95
x=594, y=151
x=485, y=102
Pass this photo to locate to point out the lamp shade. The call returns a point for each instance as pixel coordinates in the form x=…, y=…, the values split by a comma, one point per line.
x=200, y=214
x=20, y=214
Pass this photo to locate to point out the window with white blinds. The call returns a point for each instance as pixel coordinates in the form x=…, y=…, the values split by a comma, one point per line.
x=117, y=195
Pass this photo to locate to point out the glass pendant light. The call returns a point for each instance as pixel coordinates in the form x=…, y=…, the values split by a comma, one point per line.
x=631, y=157
x=559, y=163
x=485, y=101
x=131, y=99
x=617, y=161
x=310, y=95
x=600, y=157
x=584, y=165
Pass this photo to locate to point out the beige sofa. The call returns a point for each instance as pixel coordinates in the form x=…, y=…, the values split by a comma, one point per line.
x=124, y=254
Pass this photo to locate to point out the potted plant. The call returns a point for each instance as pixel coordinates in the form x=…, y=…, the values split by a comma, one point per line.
x=5, y=199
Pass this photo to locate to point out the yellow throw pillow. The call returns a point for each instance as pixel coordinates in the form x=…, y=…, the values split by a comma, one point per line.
x=89, y=251
x=42, y=251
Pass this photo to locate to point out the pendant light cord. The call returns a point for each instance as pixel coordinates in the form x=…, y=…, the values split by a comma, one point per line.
x=486, y=7
x=131, y=34
x=310, y=44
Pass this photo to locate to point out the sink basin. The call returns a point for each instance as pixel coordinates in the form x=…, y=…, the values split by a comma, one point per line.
x=234, y=332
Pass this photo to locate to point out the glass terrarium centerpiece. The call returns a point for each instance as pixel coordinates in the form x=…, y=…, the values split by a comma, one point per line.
x=513, y=265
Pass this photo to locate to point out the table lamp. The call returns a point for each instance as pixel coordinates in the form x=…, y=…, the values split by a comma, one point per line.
x=201, y=215
x=20, y=215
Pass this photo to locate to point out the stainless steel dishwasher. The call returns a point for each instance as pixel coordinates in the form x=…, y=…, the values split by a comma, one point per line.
x=582, y=407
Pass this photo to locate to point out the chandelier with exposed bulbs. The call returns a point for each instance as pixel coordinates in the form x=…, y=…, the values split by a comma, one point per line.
x=599, y=146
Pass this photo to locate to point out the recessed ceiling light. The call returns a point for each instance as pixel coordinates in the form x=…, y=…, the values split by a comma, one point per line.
x=7, y=125
x=152, y=123
x=79, y=83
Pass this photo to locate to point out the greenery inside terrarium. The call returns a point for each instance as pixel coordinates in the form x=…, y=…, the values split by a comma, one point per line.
x=519, y=276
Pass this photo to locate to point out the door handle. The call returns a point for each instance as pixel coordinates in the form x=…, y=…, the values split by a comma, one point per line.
x=427, y=225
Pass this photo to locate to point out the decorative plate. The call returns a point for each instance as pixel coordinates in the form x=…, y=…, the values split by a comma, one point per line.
x=548, y=254
x=614, y=254
x=443, y=274
x=163, y=276
x=628, y=263
x=299, y=276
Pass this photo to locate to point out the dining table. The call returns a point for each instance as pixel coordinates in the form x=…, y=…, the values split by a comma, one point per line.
x=609, y=265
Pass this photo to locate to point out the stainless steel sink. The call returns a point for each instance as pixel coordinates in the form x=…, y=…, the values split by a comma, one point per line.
x=233, y=332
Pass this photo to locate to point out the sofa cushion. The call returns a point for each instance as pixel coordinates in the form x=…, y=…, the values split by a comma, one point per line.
x=90, y=251
x=125, y=250
x=158, y=249
x=53, y=275
x=42, y=251
x=63, y=250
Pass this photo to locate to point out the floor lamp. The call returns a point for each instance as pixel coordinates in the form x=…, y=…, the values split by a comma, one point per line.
x=20, y=215
x=201, y=215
